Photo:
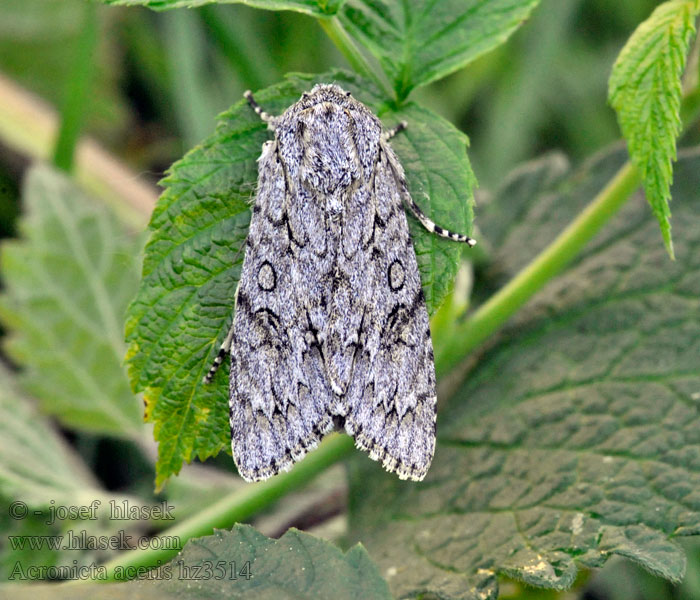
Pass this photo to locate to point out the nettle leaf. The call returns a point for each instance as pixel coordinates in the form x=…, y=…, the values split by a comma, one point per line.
x=521, y=193
x=575, y=438
x=418, y=42
x=38, y=468
x=310, y=7
x=297, y=565
x=243, y=563
x=193, y=259
x=67, y=283
x=36, y=465
x=645, y=90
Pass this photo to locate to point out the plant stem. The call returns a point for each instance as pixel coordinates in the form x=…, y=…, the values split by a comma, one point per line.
x=77, y=90
x=236, y=507
x=336, y=32
x=500, y=307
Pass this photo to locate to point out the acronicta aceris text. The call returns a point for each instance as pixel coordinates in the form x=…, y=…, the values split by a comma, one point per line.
x=330, y=328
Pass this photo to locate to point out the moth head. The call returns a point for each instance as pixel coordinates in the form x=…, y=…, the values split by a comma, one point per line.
x=325, y=92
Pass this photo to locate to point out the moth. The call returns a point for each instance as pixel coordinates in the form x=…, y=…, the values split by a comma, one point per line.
x=330, y=327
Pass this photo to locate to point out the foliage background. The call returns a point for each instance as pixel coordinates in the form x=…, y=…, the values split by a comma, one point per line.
x=157, y=82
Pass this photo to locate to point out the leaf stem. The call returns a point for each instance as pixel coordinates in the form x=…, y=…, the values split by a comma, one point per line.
x=77, y=90
x=500, y=307
x=234, y=508
x=336, y=32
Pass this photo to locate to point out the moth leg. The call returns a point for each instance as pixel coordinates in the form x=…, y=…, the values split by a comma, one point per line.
x=411, y=205
x=429, y=224
x=387, y=135
x=267, y=117
x=223, y=351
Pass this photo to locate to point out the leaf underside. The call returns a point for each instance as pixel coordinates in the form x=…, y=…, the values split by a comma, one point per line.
x=68, y=281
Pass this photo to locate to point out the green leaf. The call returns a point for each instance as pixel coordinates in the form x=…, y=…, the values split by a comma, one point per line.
x=645, y=90
x=418, y=42
x=297, y=565
x=36, y=464
x=184, y=307
x=67, y=283
x=627, y=581
x=243, y=563
x=575, y=438
x=310, y=7
x=38, y=471
x=521, y=193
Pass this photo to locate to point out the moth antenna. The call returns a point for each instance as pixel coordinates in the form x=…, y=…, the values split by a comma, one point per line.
x=431, y=226
x=387, y=135
x=428, y=223
x=267, y=117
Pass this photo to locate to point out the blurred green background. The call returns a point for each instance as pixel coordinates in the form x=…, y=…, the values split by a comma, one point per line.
x=156, y=82
x=160, y=78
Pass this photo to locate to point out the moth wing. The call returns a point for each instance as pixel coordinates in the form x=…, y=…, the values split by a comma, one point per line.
x=279, y=395
x=392, y=396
